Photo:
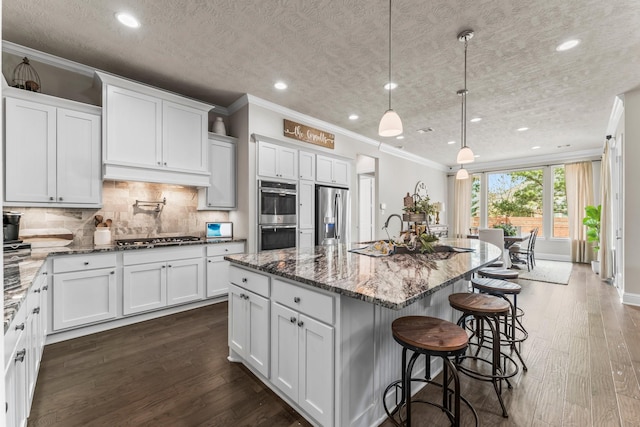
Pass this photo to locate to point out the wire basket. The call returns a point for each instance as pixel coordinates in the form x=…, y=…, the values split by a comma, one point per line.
x=26, y=77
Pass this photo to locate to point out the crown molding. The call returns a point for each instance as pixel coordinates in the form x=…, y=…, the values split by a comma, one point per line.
x=548, y=159
x=45, y=58
x=312, y=121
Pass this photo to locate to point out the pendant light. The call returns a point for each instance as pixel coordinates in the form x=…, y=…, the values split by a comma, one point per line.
x=465, y=155
x=462, y=173
x=390, y=124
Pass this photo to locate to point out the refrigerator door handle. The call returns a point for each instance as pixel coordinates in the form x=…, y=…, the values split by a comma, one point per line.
x=337, y=207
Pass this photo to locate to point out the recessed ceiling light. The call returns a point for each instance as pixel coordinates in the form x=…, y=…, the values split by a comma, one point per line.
x=535, y=147
x=280, y=85
x=391, y=86
x=475, y=119
x=522, y=129
x=569, y=44
x=128, y=20
x=400, y=137
x=354, y=117
x=451, y=142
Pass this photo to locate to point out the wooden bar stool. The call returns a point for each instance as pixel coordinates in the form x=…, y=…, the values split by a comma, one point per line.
x=432, y=337
x=485, y=309
x=514, y=331
x=498, y=273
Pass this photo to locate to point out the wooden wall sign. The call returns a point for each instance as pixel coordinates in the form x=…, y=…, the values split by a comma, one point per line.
x=308, y=134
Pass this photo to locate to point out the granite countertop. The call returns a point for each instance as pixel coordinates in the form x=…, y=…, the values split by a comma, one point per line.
x=392, y=281
x=21, y=270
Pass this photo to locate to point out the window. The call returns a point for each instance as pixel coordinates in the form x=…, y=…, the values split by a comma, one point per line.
x=516, y=198
x=475, y=204
x=560, y=217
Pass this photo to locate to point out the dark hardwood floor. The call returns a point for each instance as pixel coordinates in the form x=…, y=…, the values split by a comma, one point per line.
x=583, y=354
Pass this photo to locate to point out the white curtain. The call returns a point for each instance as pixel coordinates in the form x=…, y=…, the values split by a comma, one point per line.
x=606, y=225
x=462, y=207
x=579, y=186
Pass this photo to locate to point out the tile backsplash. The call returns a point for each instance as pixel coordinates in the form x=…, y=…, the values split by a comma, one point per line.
x=178, y=217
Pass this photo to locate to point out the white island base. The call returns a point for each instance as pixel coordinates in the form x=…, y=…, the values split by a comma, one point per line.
x=328, y=355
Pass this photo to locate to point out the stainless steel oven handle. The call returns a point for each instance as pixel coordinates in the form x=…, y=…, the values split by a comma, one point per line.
x=278, y=191
x=271, y=227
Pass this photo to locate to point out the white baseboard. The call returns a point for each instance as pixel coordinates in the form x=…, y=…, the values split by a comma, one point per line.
x=631, y=299
x=553, y=257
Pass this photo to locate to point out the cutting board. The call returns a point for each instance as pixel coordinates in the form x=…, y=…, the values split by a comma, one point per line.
x=47, y=237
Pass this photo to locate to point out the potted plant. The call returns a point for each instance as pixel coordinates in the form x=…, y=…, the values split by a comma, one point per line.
x=592, y=222
x=509, y=229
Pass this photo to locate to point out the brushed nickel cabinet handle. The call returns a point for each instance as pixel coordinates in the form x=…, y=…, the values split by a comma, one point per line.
x=86, y=263
x=21, y=355
x=36, y=291
x=300, y=323
x=20, y=327
x=292, y=320
x=296, y=299
x=244, y=280
x=36, y=310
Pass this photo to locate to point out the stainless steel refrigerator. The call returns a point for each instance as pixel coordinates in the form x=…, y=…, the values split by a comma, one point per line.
x=332, y=215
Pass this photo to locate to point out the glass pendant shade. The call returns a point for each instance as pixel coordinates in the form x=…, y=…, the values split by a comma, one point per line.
x=391, y=125
x=462, y=174
x=465, y=155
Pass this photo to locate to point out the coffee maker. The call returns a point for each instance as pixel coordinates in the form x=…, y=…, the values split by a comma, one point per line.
x=11, y=226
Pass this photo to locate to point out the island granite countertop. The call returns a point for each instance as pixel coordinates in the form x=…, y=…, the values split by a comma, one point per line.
x=393, y=281
x=20, y=270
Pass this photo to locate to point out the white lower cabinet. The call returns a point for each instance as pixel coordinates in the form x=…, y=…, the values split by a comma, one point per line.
x=302, y=349
x=218, y=268
x=249, y=327
x=84, y=290
x=157, y=278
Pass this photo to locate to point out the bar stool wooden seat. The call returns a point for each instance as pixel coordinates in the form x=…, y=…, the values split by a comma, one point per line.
x=498, y=273
x=432, y=337
x=485, y=309
x=514, y=331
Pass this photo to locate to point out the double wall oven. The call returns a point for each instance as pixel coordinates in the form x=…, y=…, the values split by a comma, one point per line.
x=278, y=215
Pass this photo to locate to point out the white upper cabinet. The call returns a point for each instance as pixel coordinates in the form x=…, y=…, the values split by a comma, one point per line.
x=276, y=161
x=307, y=165
x=152, y=135
x=52, y=155
x=332, y=171
x=306, y=203
x=221, y=193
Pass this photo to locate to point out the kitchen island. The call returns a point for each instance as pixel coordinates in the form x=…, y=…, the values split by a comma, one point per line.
x=315, y=325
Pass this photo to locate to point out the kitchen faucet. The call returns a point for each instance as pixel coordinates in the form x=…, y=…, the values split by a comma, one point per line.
x=386, y=223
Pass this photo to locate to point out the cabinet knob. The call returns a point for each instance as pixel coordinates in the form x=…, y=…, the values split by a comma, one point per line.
x=45, y=287
x=60, y=198
x=164, y=266
x=300, y=323
x=113, y=272
x=244, y=280
x=292, y=320
x=20, y=327
x=36, y=310
x=169, y=265
x=36, y=291
x=51, y=198
x=296, y=299
x=159, y=163
x=165, y=163
x=226, y=250
x=209, y=260
x=44, y=273
x=21, y=355
x=86, y=263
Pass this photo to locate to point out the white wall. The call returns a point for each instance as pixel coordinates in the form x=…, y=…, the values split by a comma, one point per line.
x=396, y=176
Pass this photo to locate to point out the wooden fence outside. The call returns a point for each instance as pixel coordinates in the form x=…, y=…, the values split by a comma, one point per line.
x=560, y=225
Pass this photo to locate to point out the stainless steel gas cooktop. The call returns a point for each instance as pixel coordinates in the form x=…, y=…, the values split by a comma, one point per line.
x=157, y=241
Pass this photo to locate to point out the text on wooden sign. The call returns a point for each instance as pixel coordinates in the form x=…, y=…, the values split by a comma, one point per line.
x=308, y=134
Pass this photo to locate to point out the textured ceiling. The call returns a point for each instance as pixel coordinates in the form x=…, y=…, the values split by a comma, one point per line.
x=333, y=55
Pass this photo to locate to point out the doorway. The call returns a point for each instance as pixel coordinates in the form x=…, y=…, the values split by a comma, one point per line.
x=366, y=168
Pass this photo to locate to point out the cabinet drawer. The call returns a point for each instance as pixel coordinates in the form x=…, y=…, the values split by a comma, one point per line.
x=144, y=256
x=83, y=262
x=306, y=301
x=12, y=335
x=225, y=249
x=249, y=280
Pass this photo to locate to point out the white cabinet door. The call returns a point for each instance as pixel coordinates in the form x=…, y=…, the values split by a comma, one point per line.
x=316, y=369
x=18, y=364
x=217, y=276
x=222, y=160
x=324, y=169
x=340, y=172
x=134, y=128
x=185, y=281
x=306, y=239
x=277, y=161
x=83, y=297
x=307, y=165
x=284, y=349
x=30, y=151
x=10, y=392
x=237, y=320
x=306, y=202
x=79, y=178
x=288, y=163
x=184, y=137
x=144, y=287
x=257, y=354
x=267, y=159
